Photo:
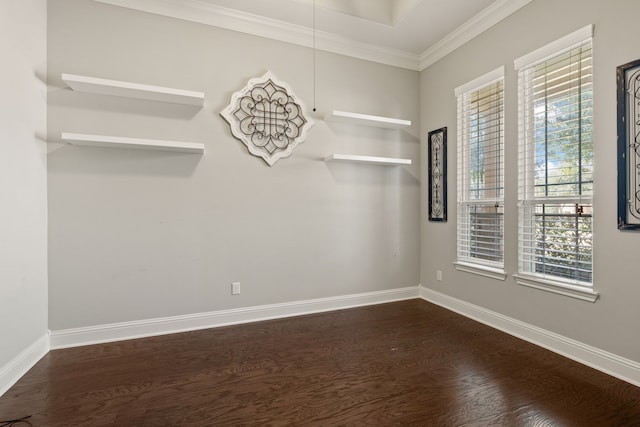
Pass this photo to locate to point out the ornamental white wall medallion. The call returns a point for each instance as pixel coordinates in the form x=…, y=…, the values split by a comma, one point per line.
x=268, y=118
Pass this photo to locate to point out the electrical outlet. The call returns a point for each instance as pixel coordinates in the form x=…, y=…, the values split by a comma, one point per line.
x=439, y=275
x=235, y=288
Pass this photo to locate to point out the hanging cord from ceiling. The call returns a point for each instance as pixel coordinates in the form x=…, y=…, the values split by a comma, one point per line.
x=314, y=55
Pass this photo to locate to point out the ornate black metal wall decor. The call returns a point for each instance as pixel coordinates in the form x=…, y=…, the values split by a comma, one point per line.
x=437, y=146
x=628, y=77
x=268, y=118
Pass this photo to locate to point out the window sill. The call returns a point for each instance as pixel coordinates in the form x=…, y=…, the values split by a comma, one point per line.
x=481, y=270
x=566, y=289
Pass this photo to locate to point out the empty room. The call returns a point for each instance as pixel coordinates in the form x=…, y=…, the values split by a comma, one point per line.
x=319, y=212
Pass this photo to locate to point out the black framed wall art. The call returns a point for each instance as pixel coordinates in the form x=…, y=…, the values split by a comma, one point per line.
x=628, y=80
x=437, y=148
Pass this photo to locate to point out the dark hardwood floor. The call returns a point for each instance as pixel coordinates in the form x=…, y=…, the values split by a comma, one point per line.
x=404, y=363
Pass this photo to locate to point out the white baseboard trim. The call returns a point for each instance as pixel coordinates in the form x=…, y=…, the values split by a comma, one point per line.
x=191, y=322
x=609, y=363
x=19, y=365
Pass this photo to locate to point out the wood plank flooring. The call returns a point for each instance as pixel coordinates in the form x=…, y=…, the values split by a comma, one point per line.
x=404, y=363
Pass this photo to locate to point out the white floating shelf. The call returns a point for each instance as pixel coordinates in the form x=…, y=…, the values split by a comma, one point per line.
x=132, y=143
x=367, y=159
x=367, y=120
x=133, y=90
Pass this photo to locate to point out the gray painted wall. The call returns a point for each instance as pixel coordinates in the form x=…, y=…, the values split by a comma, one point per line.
x=612, y=322
x=137, y=235
x=23, y=169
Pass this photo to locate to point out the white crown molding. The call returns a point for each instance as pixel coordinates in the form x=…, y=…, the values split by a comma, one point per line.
x=191, y=322
x=19, y=365
x=486, y=19
x=609, y=363
x=206, y=13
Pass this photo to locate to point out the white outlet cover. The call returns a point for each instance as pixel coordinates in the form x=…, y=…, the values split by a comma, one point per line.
x=235, y=288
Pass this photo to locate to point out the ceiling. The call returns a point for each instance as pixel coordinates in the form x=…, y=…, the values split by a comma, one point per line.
x=378, y=22
x=407, y=33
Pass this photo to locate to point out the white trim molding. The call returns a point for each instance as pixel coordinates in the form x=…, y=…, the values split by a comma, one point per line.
x=574, y=291
x=496, y=12
x=216, y=16
x=206, y=13
x=478, y=82
x=564, y=43
x=19, y=365
x=609, y=363
x=481, y=270
x=191, y=322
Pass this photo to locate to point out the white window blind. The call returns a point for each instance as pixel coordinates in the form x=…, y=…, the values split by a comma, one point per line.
x=556, y=162
x=480, y=228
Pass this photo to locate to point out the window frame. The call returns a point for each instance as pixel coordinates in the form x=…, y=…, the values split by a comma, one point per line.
x=528, y=200
x=486, y=268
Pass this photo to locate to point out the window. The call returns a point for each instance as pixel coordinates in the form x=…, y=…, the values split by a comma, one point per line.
x=556, y=163
x=481, y=173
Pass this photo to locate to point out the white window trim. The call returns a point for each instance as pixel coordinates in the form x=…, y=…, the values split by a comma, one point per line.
x=554, y=48
x=574, y=291
x=569, y=289
x=481, y=270
x=483, y=80
x=472, y=266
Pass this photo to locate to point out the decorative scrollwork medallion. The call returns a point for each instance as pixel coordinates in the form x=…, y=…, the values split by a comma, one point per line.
x=628, y=76
x=268, y=118
x=437, y=147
